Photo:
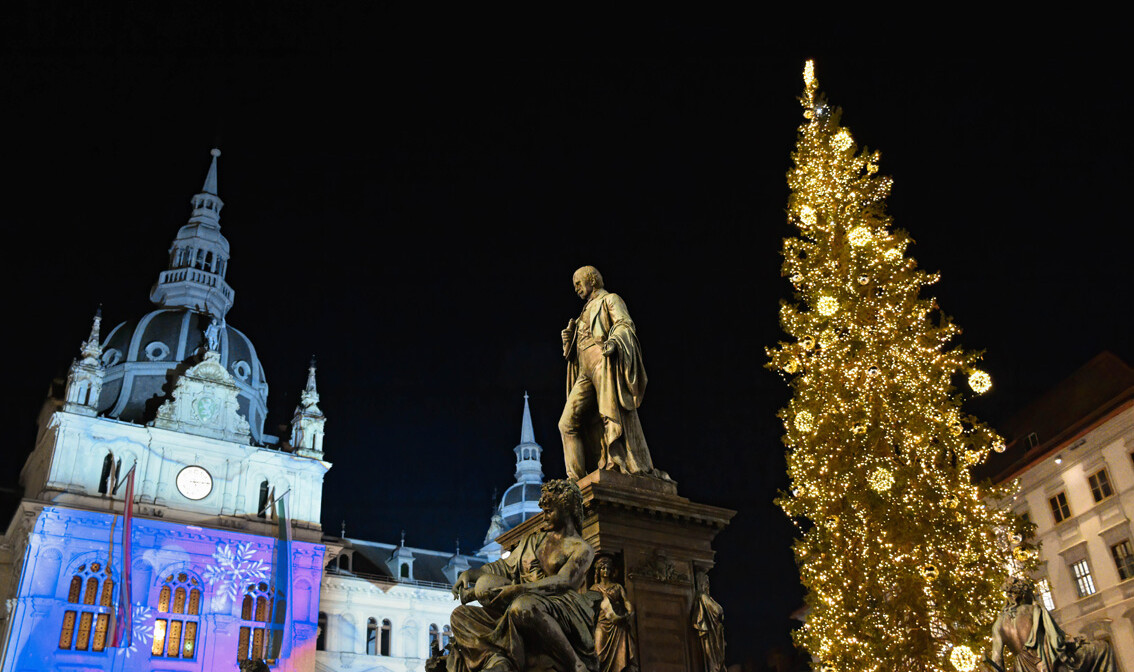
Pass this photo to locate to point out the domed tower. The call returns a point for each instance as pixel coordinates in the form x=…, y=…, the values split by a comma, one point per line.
x=193, y=300
x=521, y=500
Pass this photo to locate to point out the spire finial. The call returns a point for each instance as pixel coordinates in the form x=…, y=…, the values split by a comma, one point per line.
x=527, y=433
x=91, y=349
x=403, y=544
x=210, y=186
x=311, y=377
x=458, y=545
x=342, y=533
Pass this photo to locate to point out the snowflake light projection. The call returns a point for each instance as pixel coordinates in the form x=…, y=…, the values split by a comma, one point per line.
x=143, y=629
x=233, y=568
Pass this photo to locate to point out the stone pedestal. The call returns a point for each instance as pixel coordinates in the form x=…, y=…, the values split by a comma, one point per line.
x=659, y=540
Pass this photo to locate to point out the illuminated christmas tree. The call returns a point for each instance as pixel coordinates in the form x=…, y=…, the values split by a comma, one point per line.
x=903, y=557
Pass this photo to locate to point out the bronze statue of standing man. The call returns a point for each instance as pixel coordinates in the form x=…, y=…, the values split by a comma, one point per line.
x=606, y=381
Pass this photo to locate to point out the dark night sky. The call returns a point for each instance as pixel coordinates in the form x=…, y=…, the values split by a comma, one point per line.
x=410, y=208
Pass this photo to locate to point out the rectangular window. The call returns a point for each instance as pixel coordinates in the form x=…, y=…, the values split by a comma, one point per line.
x=68, y=631
x=1043, y=589
x=1059, y=507
x=1084, y=584
x=188, y=650
x=84, y=638
x=102, y=622
x=1100, y=485
x=1123, y=559
x=174, y=639
x=159, y=637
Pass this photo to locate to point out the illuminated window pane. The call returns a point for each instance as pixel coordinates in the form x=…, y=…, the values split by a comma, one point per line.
x=159, y=637
x=179, y=600
x=182, y=577
x=258, y=642
x=189, y=648
x=91, y=591
x=246, y=608
x=107, y=592
x=242, y=644
x=194, y=602
x=84, y=639
x=163, y=599
x=68, y=632
x=76, y=589
x=1084, y=584
x=263, y=608
x=102, y=622
x=174, y=639
x=1043, y=588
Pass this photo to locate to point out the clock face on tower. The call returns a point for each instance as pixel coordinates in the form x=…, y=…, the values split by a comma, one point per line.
x=194, y=482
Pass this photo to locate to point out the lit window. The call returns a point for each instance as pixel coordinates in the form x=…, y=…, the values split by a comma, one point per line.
x=178, y=618
x=1123, y=556
x=371, y=637
x=1100, y=485
x=434, y=640
x=1084, y=584
x=1059, y=507
x=1043, y=589
x=85, y=627
x=255, y=614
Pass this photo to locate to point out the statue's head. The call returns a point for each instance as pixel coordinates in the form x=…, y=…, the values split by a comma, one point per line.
x=1021, y=591
x=604, y=567
x=561, y=499
x=586, y=280
x=702, y=579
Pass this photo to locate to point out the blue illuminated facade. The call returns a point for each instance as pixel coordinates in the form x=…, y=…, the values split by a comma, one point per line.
x=200, y=596
x=178, y=398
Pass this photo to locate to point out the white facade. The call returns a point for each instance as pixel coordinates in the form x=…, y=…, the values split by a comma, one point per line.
x=1075, y=466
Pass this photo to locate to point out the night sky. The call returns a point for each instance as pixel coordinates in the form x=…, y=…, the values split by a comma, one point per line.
x=409, y=207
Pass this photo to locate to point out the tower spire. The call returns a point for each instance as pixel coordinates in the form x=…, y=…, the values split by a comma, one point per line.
x=198, y=257
x=84, y=380
x=307, y=423
x=527, y=434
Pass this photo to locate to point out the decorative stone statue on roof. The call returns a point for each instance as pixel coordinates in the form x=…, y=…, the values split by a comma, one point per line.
x=534, y=616
x=606, y=382
x=212, y=335
x=1039, y=644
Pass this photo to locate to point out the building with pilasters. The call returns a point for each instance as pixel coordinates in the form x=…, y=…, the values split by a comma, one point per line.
x=179, y=397
x=1073, y=453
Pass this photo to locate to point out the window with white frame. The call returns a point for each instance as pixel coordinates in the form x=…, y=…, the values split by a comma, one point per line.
x=1100, y=485
x=1084, y=584
x=1043, y=590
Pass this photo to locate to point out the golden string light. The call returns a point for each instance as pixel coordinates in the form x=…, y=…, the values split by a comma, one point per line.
x=872, y=355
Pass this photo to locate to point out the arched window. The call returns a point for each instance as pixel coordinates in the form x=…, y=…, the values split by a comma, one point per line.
x=385, y=642
x=321, y=637
x=107, y=470
x=371, y=637
x=178, y=618
x=262, y=510
x=446, y=635
x=344, y=561
x=434, y=640
x=404, y=570
x=255, y=616
x=92, y=593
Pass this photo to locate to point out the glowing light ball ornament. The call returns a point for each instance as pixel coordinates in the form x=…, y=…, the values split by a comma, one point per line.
x=930, y=572
x=881, y=479
x=804, y=421
x=980, y=381
x=827, y=306
x=859, y=236
x=963, y=658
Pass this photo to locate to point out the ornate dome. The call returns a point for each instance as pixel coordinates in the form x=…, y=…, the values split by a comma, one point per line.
x=139, y=356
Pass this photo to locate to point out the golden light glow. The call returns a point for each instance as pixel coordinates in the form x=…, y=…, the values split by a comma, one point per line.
x=804, y=421
x=859, y=236
x=881, y=479
x=842, y=141
x=980, y=381
x=963, y=658
x=807, y=215
x=809, y=74
x=898, y=581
